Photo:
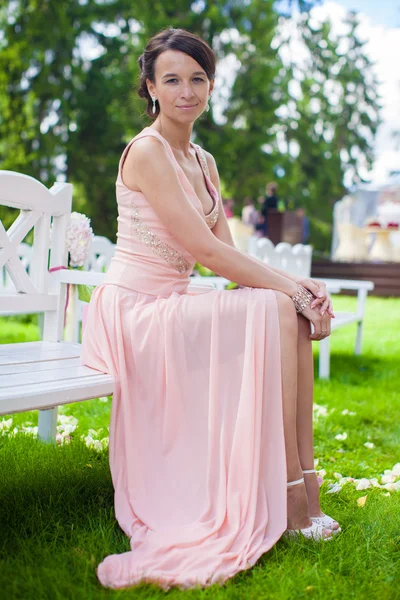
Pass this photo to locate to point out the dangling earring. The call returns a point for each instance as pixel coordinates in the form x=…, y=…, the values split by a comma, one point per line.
x=154, y=105
x=208, y=105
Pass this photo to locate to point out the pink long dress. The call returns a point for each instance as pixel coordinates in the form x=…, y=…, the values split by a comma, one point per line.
x=197, y=452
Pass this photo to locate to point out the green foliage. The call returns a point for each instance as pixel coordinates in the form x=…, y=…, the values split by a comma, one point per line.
x=85, y=292
x=68, y=103
x=331, y=121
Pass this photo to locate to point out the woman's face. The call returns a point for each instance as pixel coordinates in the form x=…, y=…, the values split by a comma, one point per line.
x=181, y=86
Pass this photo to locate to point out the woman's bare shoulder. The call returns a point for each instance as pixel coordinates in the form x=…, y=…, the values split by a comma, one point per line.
x=144, y=152
x=145, y=147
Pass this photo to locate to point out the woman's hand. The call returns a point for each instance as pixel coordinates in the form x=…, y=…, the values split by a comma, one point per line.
x=322, y=299
x=321, y=322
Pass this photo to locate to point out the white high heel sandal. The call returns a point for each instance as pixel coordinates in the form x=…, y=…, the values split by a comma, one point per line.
x=315, y=531
x=325, y=521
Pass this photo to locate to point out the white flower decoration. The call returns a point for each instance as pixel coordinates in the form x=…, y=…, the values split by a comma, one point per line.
x=79, y=239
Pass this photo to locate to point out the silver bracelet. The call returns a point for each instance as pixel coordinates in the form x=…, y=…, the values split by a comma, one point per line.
x=302, y=298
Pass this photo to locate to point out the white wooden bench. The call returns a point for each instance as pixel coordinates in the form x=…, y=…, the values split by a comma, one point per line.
x=40, y=375
x=344, y=318
x=294, y=259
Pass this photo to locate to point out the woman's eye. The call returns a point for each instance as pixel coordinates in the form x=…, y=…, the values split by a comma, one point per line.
x=195, y=79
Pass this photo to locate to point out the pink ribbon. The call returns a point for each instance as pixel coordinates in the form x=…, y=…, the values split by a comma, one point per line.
x=61, y=268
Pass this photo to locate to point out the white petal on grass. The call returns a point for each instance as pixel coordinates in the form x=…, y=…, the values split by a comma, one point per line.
x=388, y=478
x=319, y=411
x=29, y=430
x=396, y=469
x=88, y=440
x=334, y=488
x=104, y=399
x=361, y=501
x=390, y=486
x=363, y=484
x=321, y=472
x=5, y=424
x=345, y=480
x=338, y=476
x=341, y=437
x=369, y=445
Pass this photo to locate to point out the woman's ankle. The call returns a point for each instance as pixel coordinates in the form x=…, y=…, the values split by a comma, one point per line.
x=297, y=507
x=313, y=494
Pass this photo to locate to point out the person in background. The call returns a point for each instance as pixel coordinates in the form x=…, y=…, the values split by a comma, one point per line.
x=305, y=227
x=270, y=203
x=250, y=215
x=228, y=207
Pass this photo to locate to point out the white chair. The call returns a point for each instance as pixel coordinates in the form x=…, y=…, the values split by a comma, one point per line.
x=345, y=318
x=25, y=255
x=294, y=259
x=101, y=252
x=40, y=375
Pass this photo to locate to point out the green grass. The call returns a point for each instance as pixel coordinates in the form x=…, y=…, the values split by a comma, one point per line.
x=56, y=503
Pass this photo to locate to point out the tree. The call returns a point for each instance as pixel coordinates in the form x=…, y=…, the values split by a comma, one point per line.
x=66, y=114
x=68, y=103
x=330, y=120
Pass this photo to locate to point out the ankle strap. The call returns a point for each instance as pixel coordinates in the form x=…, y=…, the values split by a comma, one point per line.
x=309, y=471
x=295, y=482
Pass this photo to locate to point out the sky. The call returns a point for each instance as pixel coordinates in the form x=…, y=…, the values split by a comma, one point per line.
x=380, y=26
x=381, y=12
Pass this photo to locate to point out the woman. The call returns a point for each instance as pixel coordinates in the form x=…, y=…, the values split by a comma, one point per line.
x=204, y=434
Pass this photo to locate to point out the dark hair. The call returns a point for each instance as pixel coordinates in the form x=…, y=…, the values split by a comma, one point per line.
x=272, y=187
x=172, y=39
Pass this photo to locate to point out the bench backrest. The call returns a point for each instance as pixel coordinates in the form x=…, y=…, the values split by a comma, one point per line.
x=294, y=259
x=101, y=252
x=47, y=213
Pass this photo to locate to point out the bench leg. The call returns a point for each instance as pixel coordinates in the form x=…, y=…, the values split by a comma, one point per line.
x=48, y=424
x=357, y=349
x=324, y=358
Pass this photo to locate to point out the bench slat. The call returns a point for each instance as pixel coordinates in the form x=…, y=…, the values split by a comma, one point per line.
x=46, y=395
x=19, y=346
x=38, y=378
x=62, y=363
x=37, y=355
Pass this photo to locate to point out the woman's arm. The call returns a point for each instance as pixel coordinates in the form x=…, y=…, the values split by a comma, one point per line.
x=222, y=231
x=150, y=168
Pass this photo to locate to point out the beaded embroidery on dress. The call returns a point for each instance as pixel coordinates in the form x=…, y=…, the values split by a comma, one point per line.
x=160, y=248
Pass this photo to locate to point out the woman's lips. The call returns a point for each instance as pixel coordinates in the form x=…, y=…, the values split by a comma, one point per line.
x=187, y=107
